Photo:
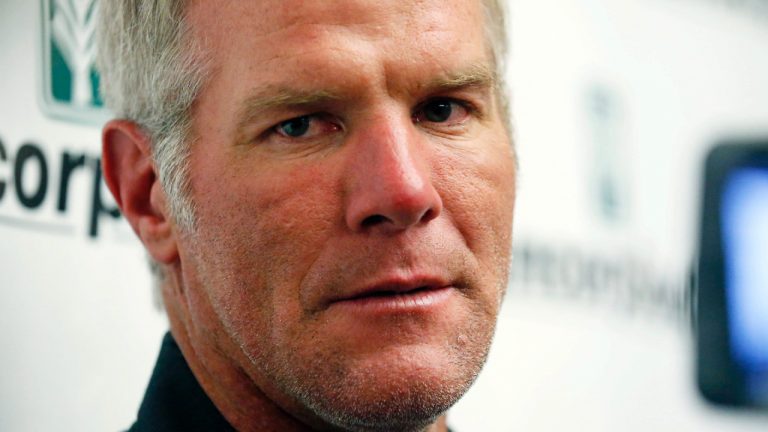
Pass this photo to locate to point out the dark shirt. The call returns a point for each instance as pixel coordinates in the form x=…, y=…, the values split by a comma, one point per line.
x=174, y=400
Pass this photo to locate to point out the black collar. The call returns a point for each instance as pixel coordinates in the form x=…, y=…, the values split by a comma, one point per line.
x=174, y=400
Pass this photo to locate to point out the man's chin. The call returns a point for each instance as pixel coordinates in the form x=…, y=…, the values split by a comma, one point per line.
x=403, y=389
x=384, y=371
x=404, y=404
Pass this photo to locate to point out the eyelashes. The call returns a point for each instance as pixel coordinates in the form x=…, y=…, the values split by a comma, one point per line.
x=307, y=126
x=440, y=114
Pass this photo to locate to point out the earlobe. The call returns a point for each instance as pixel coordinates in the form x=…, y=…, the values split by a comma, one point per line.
x=131, y=176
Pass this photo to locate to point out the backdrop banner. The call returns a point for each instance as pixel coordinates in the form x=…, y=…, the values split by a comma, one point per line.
x=615, y=104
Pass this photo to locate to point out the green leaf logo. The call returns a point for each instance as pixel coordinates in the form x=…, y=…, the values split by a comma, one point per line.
x=70, y=81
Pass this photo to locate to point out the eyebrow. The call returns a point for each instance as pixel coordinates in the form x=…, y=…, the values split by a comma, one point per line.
x=269, y=98
x=477, y=75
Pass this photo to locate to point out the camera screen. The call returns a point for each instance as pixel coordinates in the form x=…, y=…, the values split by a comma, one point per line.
x=744, y=218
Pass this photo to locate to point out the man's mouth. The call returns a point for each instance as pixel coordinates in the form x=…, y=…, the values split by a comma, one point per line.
x=394, y=297
x=394, y=292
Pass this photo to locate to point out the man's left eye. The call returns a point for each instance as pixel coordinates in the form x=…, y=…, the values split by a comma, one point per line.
x=441, y=111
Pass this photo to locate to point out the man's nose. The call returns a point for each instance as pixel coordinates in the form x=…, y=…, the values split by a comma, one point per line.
x=389, y=179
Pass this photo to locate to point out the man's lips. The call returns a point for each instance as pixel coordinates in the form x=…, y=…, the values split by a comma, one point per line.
x=394, y=287
x=396, y=295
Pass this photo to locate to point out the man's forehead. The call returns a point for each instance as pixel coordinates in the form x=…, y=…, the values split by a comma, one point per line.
x=300, y=17
x=269, y=54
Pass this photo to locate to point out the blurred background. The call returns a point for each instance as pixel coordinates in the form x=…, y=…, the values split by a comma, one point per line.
x=615, y=106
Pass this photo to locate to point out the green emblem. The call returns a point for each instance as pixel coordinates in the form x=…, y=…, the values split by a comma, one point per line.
x=70, y=80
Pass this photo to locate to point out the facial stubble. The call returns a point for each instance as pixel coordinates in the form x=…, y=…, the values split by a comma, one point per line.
x=360, y=399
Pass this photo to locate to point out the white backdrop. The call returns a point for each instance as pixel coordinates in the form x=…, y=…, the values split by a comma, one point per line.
x=615, y=103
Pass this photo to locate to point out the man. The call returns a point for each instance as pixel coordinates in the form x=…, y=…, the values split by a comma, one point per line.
x=326, y=189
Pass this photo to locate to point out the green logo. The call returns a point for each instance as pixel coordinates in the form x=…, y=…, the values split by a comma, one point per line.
x=70, y=80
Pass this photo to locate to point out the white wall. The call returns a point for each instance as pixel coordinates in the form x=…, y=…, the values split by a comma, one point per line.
x=626, y=94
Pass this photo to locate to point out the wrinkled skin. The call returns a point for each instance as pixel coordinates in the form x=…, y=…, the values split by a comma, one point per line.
x=375, y=186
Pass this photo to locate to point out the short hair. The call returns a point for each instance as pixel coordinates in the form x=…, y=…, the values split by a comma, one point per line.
x=152, y=71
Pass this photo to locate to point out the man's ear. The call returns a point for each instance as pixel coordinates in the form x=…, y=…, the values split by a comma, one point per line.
x=131, y=176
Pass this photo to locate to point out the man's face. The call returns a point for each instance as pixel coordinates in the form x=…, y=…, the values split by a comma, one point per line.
x=354, y=185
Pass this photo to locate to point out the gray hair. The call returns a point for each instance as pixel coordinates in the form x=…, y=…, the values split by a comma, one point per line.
x=497, y=37
x=152, y=71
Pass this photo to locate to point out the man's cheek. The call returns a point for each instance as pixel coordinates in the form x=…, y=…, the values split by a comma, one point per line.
x=291, y=230
x=468, y=203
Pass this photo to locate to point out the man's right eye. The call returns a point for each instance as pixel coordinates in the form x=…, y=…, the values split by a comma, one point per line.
x=306, y=126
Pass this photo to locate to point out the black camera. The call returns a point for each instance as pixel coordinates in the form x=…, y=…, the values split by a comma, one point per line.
x=731, y=306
